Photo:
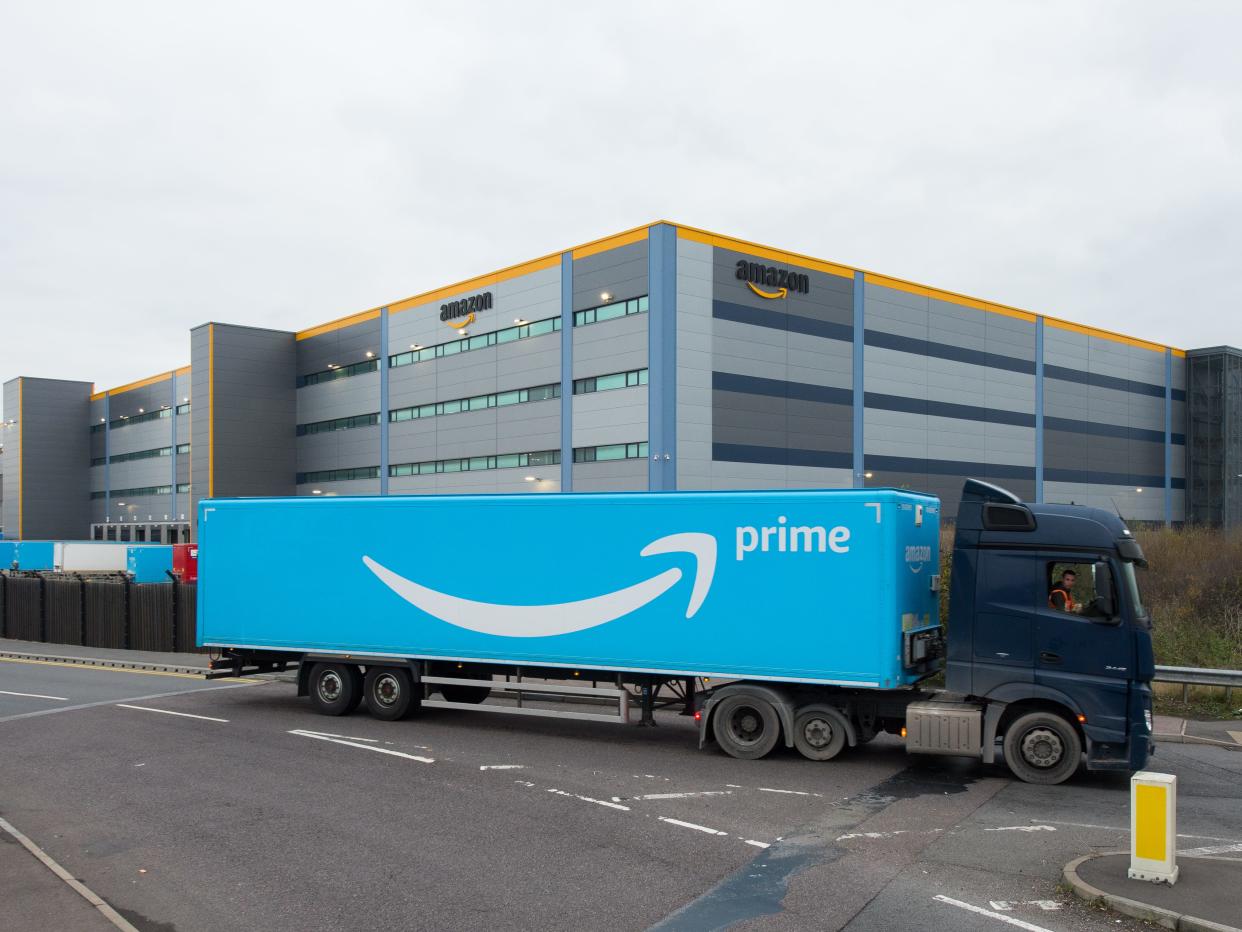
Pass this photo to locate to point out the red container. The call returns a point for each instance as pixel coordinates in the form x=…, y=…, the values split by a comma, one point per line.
x=185, y=562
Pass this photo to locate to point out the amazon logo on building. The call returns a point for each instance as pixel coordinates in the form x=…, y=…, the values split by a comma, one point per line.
x=756, y=274
x=454, y=311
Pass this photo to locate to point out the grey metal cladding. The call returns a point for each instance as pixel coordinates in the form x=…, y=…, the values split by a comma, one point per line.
x=149, y=435
x=618, y=345
x=338, y=449
x=54, y=452
x=255, y=411
x=345, y=397
x=339, y=347
x=614, y=476
x=533, y=361
x=620, y=272
x=524, y=428
x=616, y=416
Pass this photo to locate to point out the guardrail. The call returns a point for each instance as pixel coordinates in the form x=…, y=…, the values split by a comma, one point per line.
x=1196, y=676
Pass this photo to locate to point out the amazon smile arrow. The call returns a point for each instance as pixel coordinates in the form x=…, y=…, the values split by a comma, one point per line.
x=532, y=621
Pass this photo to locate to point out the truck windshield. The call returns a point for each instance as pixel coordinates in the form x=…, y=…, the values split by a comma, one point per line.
x=1129, y=579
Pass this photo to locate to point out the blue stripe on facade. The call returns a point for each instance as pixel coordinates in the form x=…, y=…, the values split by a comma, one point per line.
x=946, y=409
x=567, y=372
x=1110, y=381
x=383, y=412
x=172, y=383
x=892, y=341
x=666, y=286
x=778, y=320
x=1090, y=477
x=857, y=379
x=780, y=456
x=655, y=362
x=1168, y=436
x=948, y=467
x=778, y=388
x=1039, y=409
x=1096, y=429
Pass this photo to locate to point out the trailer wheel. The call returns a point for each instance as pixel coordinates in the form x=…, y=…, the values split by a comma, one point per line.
x=335, y=688
x=819, y=733
x=746, y=727
x=389, y=692
x=1042, y=747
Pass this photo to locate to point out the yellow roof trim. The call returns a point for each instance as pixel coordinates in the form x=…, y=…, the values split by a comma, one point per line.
x=338, y=324
x=1106, y=335
x=636, y=235
x=472, y=284
x=141, y=383
x=763, y=252
x=900, y=284
x=1180, y=353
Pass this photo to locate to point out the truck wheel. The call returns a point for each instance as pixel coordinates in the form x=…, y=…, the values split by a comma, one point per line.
x=389, y=692
x=819, y=734
x=335, y=688
x=746, y=727
x=1042, y=747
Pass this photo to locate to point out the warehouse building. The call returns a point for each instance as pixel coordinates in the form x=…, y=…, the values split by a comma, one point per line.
x=662, y=358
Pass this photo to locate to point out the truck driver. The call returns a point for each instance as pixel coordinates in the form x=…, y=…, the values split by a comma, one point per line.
x=1061, y=597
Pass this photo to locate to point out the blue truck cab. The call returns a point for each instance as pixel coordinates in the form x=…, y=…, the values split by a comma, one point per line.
x=804, y=618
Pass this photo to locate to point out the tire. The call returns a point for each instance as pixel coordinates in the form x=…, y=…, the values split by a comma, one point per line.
x=335, y=688
x=470, y=694
x=389, y=693
x=745, y=726
x=1043, y=748
x=819, y=733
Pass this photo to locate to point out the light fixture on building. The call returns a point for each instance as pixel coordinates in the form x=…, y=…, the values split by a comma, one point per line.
x=520, y=321
x=370, y=355
x=333, y=365
x=1138, y=490
x=416, y=346
x=101, y=420
x=316, y=491
x=142, y=411
x=120, y=504
x=605, y=296
x=533, y=479
x=186, y=399
x=163, y=407
x=868, y=475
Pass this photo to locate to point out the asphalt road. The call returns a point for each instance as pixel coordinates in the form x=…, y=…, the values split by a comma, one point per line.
x=261, y=814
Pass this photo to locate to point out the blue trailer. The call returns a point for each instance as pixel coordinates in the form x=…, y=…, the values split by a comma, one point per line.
x=814, y=614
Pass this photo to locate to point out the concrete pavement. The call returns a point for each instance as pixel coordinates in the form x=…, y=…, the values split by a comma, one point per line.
x=1205, y=896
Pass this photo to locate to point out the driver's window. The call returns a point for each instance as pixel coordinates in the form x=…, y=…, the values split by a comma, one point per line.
x=1071, y=587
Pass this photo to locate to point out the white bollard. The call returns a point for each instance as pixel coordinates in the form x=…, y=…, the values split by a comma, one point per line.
x=1153, y=827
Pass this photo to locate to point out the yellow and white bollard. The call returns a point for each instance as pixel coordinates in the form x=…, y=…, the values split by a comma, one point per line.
x=1153, y=827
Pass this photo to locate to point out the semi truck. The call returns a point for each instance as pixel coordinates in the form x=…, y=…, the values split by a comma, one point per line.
x=808, y=619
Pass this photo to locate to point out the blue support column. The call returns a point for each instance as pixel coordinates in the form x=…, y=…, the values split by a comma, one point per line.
x=172, y=410
x=567, y=372
x=662, y=357
x=107, y=456
x=1039, y=409
x=1168, y=436
x=858, y=383
x=383, y=413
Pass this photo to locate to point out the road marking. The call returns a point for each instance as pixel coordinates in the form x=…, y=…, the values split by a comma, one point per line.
x=1211, y=849
x=328, y=734
x=5, y=692
x=101, y=702
x=697, y=828
x=89, y=666
x=143, y=708
x=1030, y=927
x=1126, y=830
x=1006, y=906
x=76, y=885
x=1022, y=828
x=685, y=795
x=366, y=747
x=1235, y=735
x=764, y=789
x=502, y=766
x=758, y=844
x=900, y=831
x=588, y=799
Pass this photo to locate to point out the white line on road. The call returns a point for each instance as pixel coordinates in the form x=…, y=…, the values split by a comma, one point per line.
x=143, y=708
x=1126, y=830
x=588, y=799
x=328, y=734
x=758, y=844
x=502, y=766
x=685, y=795
x=1030, y=927
x=76, y=885
x=764, y=789
x=697, y=828
x=101, y=702
x=5, y=692
x=1022, y=828
x=366, y=747
x=900, y=831
x=1211, y=849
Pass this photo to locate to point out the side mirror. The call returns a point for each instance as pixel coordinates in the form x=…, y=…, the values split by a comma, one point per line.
x=1105, y=598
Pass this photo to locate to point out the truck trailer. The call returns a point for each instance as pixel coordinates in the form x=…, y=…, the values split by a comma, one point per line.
x=810, y=618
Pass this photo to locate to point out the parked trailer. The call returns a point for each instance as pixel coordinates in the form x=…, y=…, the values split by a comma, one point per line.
x=816, y=613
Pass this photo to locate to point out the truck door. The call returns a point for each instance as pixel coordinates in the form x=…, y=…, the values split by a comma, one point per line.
x=1005, y=598
x=1083, y=646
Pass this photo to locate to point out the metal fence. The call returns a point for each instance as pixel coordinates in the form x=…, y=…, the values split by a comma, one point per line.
x=1195, y=676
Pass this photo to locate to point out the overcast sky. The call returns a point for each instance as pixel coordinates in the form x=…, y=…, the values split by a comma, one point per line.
x=282, y=164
